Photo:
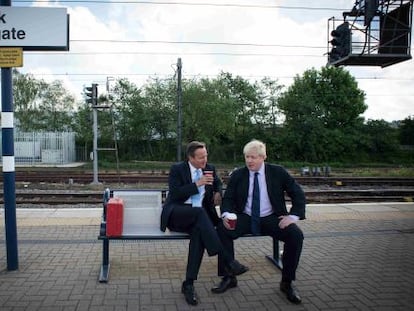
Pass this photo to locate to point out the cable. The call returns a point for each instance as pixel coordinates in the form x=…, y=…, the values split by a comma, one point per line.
x=197, y=43
x=179, y=54
x=191, y=4
x=202, y=75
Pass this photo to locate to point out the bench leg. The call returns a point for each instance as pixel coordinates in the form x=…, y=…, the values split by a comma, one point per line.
x=104, y=273
x=276, y=259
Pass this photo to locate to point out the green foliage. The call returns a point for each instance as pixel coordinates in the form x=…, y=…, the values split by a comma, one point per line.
x=144, y=118
x=380, y=140
x=42, y=106
x=406, y=134
x=315, y=120
x=322, y=109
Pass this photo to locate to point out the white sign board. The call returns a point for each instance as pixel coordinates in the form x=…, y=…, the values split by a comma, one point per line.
x=34, y=29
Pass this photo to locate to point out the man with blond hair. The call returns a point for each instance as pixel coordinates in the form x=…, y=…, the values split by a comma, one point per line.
x=256, y=193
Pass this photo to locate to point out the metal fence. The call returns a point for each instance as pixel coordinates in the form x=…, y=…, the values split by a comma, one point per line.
x=44, y=147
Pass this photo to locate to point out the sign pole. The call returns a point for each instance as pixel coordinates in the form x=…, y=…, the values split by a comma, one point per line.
x=9, y=174
x=19, y=32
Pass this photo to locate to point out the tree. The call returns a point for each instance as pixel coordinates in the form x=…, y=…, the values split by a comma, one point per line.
x=160, y=102
x=131, y=119
x=225, y=112
x=206, y=108
x=322, y=110
x=41, y=106
x=269, y=92
x=379, y=140
x=83, y=128
x=55, y=107
x=245, y=108
x=406, y=135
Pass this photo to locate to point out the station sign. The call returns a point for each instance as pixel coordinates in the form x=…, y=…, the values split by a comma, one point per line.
x=11, y=57
x=34, y=28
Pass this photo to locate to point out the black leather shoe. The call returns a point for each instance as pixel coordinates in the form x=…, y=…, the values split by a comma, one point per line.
x=226, y=283
x=291, y=292
x=189, y=294
x=236, y=268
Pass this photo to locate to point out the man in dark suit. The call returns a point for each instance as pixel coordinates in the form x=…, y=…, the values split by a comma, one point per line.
x=190, y=208
x=256, y=193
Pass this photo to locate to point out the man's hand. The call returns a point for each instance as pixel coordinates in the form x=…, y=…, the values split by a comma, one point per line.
x=205, y=180
x=226, y=223
x=286, y=220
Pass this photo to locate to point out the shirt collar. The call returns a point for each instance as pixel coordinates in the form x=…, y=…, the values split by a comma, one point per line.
x=260, y=171
x=192, y=168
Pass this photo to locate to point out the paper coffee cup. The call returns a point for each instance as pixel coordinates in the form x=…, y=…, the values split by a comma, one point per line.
x=210, y=175
x=232, y=220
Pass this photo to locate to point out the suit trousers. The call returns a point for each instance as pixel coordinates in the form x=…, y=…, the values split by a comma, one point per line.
x=292, y=236
x=203, y=235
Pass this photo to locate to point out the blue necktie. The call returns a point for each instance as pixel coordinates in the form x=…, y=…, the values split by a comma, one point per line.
x=255, y=219
x=196, y=198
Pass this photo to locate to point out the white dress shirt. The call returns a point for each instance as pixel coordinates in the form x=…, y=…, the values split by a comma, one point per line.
x=265, y=205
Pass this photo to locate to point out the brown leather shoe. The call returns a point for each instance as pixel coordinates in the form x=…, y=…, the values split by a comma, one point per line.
x=189, y=294
x=226, y=283
x=291, y=292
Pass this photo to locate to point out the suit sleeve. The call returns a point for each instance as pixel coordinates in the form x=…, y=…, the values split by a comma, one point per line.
x=217, y=184
x=230, y=195
x=297, y=196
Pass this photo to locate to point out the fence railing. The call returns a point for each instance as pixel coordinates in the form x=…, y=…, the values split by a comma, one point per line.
x=44, y=147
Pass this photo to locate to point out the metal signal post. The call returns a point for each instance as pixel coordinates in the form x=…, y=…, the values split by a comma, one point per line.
x=91, y=93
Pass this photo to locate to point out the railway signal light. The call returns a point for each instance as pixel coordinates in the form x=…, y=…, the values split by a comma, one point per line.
x=341, y=42
x=91, y=93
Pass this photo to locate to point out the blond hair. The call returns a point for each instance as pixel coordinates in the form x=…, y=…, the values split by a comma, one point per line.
x=256, y=146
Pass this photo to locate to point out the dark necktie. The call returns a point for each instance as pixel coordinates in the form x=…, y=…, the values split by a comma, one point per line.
x=256, y=206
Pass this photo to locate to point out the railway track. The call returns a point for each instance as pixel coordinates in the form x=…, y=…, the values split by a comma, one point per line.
x=71, y=198
x=335, y=189
x=79, y=177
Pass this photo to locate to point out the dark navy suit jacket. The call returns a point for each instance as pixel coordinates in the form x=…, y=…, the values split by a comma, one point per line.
x=279, y=182
x=181, y=187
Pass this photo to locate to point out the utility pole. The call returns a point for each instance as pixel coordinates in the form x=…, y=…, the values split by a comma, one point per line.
x=91, y=93
x=95, y=144
x=179, y=108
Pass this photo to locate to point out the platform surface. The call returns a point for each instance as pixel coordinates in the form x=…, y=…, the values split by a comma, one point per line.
x=355, y=257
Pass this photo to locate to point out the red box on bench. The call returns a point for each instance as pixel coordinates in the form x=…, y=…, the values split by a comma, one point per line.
x=114, y=217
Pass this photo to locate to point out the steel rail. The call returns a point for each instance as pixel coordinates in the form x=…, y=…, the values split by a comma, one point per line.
x=313, y=196
x=162, y=178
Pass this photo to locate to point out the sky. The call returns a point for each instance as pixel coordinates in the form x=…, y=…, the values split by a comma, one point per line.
x=254, y=39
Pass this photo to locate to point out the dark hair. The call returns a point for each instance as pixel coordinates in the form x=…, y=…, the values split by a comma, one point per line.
x=193, y=146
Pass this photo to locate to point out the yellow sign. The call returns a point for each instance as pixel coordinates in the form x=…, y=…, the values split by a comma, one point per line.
x=11, y=57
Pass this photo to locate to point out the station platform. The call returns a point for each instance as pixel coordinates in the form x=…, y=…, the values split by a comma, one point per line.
x=355, y=257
